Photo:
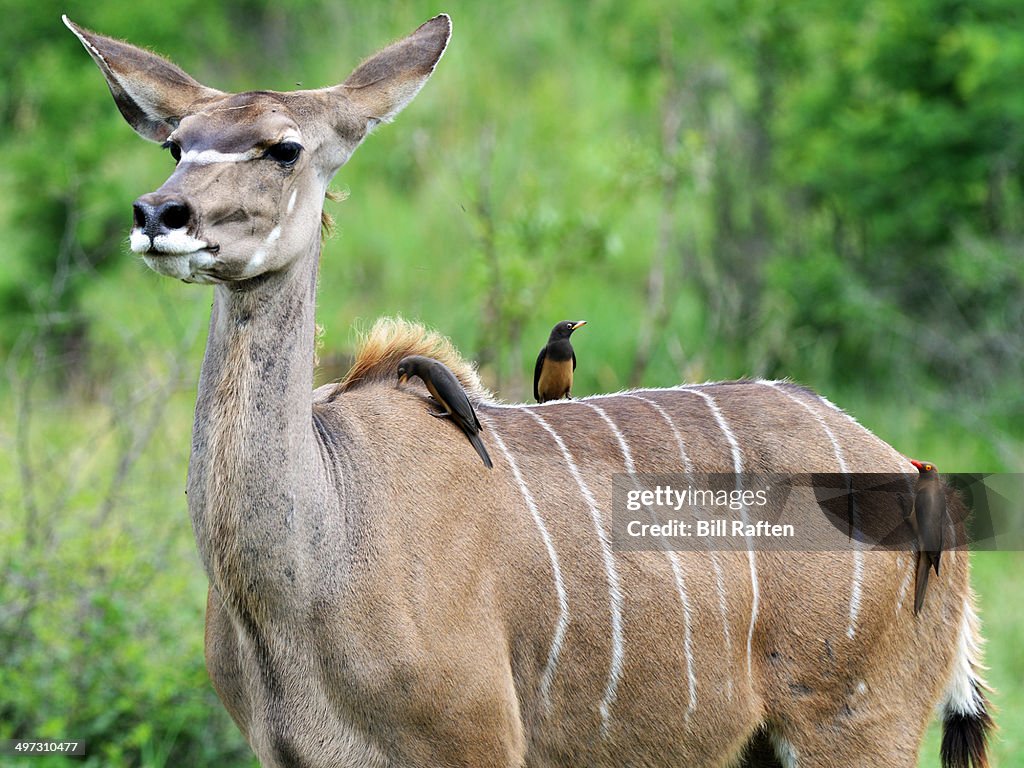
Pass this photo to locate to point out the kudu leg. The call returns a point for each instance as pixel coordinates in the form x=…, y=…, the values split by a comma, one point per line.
x=853, y=742
x=223, y=663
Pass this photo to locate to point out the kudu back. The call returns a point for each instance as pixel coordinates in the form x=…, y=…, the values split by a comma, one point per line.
x=378, y=598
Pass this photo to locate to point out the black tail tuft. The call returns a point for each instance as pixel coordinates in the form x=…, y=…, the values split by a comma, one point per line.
x=963, y=737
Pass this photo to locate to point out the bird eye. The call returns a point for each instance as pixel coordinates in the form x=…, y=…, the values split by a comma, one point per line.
x=175, y=150
x=286, y=153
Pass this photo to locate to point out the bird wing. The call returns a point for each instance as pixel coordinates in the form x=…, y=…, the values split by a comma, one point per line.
x=928, y=520
x=933, y=507
x=454, y=399
x=574, y=359
x=536, y=373
x=447, y=390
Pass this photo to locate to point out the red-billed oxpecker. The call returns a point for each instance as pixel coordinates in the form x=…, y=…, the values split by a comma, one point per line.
x=927, y=520
x=445, y=388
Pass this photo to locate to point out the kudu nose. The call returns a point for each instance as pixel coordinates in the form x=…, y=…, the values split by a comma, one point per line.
x=160, y=215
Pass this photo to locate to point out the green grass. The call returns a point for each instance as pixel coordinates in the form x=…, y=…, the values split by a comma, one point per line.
x=998, y=580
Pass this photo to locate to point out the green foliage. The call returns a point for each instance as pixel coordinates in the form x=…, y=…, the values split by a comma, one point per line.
x=102, y=594
x=827, y=192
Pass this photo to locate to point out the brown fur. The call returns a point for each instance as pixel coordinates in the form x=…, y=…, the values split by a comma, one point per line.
x=379, y=598
x=326, y=220
x=392, y=338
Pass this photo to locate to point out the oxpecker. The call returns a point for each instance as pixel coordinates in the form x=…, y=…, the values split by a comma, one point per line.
x=445, y=388
x=552, y=376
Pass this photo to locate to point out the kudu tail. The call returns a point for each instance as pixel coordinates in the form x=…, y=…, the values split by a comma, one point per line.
x=966, y=720
x=963, y=739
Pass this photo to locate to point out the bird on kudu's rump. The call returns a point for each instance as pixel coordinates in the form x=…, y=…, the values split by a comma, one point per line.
x=552, y=375
x=927, y=520
x=445, y=388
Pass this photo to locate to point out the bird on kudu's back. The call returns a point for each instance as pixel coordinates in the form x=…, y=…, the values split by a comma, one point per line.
x=445, y=388
x=552, y=376
x=927, y=520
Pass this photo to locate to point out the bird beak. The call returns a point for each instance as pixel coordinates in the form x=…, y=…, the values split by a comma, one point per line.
x=401, y=380
x=580, y=324
x=917, y=464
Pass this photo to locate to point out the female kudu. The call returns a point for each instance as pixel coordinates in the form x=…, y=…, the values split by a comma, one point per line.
x=378, y=598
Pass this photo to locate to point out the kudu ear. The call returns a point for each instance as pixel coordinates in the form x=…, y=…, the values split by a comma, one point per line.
x=383, y=84
x=152, y=94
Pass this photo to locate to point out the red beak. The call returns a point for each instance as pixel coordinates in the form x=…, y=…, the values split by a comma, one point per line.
x=917, y=464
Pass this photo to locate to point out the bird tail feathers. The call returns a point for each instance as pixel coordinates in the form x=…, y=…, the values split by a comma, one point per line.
x=478, y=444
x=921, y=582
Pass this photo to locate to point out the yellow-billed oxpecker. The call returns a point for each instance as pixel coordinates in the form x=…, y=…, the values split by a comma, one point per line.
x=552, y=376
x=927, y=520
x=445, y=388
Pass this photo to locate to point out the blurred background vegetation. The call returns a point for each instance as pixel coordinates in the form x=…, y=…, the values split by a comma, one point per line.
x=826, y=191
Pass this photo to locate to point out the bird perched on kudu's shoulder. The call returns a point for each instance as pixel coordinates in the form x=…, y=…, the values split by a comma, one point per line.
x=927, y=520
x=449, y=394
x=552, y=376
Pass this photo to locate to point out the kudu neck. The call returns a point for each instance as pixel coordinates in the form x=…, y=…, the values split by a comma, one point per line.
x=253, y=450
x=272, y=317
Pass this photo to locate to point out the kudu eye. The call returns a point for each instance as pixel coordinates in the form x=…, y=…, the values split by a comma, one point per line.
x=285, y=153
x=175, y=150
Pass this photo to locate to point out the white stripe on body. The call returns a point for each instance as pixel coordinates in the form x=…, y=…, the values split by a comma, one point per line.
x=687, y=464
x=737, y=463
x=673, y=559
x=614, y=591
x=857, y=579
x=715, y=565
x=563, y=601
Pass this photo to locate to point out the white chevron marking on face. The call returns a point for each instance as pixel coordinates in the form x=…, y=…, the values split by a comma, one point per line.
x=212, y=156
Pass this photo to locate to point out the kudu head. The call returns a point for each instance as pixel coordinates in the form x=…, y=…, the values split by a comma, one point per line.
x=252, y=168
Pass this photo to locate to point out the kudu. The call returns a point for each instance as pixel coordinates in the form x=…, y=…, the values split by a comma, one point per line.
x=378, y=598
